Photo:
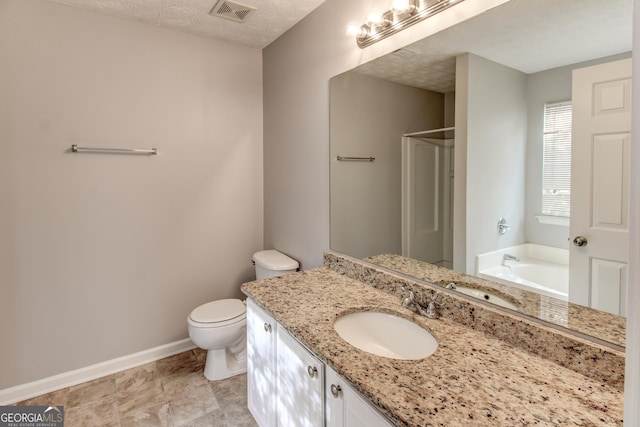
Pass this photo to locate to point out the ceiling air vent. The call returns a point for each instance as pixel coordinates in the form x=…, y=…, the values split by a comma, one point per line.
x=231, y=10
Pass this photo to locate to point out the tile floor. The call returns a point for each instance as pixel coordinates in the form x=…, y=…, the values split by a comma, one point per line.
x=171, y=392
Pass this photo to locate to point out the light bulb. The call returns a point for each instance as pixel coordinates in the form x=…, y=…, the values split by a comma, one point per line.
x=374, y=19
x=400, y=7
x=352, y=29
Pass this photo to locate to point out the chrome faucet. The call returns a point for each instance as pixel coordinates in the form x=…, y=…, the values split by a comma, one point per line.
x=431, y=310
x=509, y=257
x=409, y=301
x=503, y=227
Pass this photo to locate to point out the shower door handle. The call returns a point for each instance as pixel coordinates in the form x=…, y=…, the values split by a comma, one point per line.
x=580, y=241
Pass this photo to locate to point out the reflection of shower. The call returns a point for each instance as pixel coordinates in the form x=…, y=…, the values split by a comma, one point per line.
x=427, y=196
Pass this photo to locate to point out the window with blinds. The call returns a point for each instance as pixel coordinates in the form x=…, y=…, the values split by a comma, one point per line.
x=556, y=159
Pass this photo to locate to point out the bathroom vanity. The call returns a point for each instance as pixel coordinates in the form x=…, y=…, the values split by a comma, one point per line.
x=289, y=385
x=301, y=372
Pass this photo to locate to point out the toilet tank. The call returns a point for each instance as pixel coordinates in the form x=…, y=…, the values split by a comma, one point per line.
x=271, y=263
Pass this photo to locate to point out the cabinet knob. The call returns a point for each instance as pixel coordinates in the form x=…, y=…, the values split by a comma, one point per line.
x=312, y=371
x=267, y=327
x=335, y=390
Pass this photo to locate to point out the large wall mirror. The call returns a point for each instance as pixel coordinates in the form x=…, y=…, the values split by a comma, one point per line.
x=497, y=149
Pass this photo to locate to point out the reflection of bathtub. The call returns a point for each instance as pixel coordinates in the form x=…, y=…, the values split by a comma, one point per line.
x=541, y=269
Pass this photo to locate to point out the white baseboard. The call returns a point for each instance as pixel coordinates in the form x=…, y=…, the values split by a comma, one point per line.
x=88, y=373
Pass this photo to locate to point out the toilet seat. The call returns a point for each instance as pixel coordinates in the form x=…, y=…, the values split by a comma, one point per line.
x=218, y=313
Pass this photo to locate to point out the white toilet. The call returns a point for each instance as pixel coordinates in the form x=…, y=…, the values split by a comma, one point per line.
x=220, y=326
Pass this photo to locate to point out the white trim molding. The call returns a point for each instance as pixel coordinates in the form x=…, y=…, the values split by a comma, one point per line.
x=553, y=220
x=632, y=374
x=67, y=379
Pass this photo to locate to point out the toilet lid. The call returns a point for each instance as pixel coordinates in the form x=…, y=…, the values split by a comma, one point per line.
x=218, y=311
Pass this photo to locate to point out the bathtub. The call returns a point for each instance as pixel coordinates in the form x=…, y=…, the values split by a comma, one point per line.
x=541, y=269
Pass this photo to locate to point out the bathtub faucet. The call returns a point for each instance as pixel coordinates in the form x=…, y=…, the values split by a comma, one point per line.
x=509, y=257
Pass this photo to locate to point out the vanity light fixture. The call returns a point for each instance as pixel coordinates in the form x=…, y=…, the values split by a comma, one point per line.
x=401, y=14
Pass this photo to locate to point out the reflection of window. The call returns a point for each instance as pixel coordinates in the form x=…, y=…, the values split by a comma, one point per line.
x=556, y=159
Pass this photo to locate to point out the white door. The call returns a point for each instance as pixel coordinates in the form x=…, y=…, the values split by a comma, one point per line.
x=600, y=186
x=422, y=233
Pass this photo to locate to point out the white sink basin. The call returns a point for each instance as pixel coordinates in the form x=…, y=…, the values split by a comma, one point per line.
x=486, y=296
x=386, y=335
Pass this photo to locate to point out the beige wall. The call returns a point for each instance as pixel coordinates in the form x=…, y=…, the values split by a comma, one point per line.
x=365, y=196
x=490, y=157
x=104, y=255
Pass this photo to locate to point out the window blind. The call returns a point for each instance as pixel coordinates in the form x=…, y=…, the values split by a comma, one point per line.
x=556, y=159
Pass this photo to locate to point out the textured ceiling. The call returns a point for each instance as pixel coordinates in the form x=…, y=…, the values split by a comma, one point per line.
x=527, y=35
x=271, y=19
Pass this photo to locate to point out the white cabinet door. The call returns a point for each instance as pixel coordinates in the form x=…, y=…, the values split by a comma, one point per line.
x=261, y=365
x=300, y=392
x=346, y=408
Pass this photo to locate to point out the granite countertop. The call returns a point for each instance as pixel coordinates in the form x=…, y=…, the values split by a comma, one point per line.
x=471, y=379
x=599, y=324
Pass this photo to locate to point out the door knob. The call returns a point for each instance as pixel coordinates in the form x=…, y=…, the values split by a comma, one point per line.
x=580, y=241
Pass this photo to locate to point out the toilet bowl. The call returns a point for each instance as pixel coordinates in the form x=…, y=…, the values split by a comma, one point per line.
x=220, y=327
